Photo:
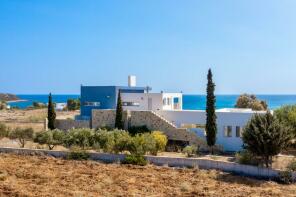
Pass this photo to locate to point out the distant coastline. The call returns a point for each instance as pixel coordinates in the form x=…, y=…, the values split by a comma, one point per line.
x=190, y=102
x=9, y=97
x=16, y=101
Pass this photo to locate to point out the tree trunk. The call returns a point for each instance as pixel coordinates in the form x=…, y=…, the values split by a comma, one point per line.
x=22, y=142
x=212, y=150
x=267, y=161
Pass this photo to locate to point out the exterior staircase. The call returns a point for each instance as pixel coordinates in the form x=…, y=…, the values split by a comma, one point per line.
x=165, y=120
x=156, y=122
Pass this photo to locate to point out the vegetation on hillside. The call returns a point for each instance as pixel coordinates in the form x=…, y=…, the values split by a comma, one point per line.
x=251, y=102
x=211, y=125
x=287, y=116
x=73, y=104
x=8, y=97
x=38, y=105
x=3, y=105
x=116, y=141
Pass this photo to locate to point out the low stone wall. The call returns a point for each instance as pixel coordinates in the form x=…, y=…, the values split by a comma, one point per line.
x=66, y=124
x=231, y=167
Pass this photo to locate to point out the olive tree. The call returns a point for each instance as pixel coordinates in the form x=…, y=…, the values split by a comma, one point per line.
x=79, y=137
x=22, y=135
x=50, y=138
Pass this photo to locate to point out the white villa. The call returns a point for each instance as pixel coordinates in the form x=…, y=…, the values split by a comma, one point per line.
x=167, y=107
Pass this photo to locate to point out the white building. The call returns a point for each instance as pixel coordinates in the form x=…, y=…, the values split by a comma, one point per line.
x=152, y=101
x=60, y=106
x=230, y=122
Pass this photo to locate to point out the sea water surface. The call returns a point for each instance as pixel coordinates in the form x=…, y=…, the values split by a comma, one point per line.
x=190, y=102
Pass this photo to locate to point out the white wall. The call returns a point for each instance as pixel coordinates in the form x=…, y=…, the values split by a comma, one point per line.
x=172, y=96
x=223, y=119
x=157, y=100
x=142, y=99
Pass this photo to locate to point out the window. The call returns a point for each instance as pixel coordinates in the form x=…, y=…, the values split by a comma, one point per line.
x=130, y=104
x=168, y=101
x=192, y=126
x=239, y=131
x=176, y=100
x=94, y=104
x=164, y=101
x=228, y=131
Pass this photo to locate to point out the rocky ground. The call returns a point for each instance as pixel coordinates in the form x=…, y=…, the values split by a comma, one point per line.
x=46, y=176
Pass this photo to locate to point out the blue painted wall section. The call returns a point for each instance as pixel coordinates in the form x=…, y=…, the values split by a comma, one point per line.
x=106, y=96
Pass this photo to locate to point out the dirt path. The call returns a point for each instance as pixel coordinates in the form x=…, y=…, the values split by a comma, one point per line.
x=45, y=176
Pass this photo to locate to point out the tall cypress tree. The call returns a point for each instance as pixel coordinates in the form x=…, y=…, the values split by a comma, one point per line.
x=51, y=115
x=119, y=124
x=211, y=125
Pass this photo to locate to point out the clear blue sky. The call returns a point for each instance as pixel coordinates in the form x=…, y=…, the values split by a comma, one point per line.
x=56, y=45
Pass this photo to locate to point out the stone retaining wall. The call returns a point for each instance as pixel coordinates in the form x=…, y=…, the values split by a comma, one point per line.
x=66, y=124
x=231, y=167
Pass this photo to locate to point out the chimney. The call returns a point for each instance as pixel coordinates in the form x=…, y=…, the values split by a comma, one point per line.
x=132, y=82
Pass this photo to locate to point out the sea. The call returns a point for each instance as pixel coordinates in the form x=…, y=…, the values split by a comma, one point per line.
x=190, y=102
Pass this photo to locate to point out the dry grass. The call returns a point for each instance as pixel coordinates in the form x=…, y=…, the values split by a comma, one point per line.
x=30, y=118
x=45, y=176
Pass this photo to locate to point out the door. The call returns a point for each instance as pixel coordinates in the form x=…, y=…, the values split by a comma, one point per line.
x=149, y=104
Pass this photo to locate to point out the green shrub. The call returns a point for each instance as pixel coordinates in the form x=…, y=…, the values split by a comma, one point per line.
x=73, y=104
x=22, y=135
x=135, y=160
x=122, y=139
x=50, y=138
x=142, y=144
x=4, y=131
x=104, y=140
x=161, y=141
x=106, y=128
x=134, y=130
x=285, y=177
x=292, y=166
x=190, y=151
x=246, y=157
x=115, y=141
x=79, y=137
x=2, y=105
x=265, y=137
x=250, y=101
x=37, y=105
x=78, y=155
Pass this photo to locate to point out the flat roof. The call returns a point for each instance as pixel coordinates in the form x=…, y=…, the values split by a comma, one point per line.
x=120, y=87
x=239, y=110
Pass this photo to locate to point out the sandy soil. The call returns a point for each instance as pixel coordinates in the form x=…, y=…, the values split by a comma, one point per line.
x=30, y=118
x=46, y=176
